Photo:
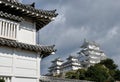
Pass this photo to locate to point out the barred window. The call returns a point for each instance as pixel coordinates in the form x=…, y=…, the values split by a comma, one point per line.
x=8, y=29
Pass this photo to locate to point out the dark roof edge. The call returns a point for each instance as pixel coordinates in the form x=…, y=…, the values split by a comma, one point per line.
x=10, y=16
x=44, y=50
x=30, y=8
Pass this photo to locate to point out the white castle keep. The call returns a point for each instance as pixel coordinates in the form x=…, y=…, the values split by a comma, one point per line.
x=90, y=53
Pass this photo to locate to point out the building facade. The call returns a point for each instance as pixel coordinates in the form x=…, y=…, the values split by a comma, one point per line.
x=90, y=54
x=20, y=53
x=59, y=67
x=71, y=64
x=55, y=68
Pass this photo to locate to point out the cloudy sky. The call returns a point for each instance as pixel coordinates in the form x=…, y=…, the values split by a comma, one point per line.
x=95, y=20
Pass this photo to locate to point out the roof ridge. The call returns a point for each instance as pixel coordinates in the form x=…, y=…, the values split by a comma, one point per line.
x=32, y=8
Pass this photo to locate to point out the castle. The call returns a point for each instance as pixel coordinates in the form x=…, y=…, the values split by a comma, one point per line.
x=89, y=54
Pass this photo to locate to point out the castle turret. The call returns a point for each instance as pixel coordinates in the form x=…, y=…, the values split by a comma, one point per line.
x=59, y=67
x=20, y=53
x=91, y=54
x=71, y=64
x=55, y=68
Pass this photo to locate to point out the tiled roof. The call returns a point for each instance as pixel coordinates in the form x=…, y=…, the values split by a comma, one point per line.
x=70, y=57
x=10, y=16
x=45, y=50
x=41, y=17
x=86, y=43
x=87, y=50
x=57, y=59
x=29, y=8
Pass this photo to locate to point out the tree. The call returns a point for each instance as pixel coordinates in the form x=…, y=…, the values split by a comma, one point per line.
x=1, y=80
x=109, y=63
x=105, y=71
x=110, y=79
x=81, y=74
x=117, y=75
x=97, y=73
x=113, y=71
x=71, y=75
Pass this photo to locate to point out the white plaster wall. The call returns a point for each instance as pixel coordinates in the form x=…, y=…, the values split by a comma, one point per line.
x=59, y=63
x=58, y=71
x=19, y=63
x=92, y=61
x=25, y=80
x=6, y=61
x=75, y=67
x=26, y=63
x=74, y=59
x=27, y=32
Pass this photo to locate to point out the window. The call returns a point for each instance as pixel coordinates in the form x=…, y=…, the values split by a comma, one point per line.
x=8, y=29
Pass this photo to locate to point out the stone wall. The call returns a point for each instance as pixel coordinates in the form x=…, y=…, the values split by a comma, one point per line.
x=55, y=79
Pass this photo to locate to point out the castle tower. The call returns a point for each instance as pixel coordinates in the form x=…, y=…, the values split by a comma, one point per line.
x=20, y=55
x=59, y=67
x=90, y=53
x=71, y=64
x=55, y=68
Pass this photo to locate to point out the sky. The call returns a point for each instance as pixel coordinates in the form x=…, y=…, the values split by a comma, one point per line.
x=95, y=20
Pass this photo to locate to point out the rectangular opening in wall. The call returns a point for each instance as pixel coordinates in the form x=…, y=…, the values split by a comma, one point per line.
x=8, y=29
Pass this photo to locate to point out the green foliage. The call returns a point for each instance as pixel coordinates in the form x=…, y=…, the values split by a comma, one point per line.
x=109, y=63
x=97, y=73
x=117, y=75
x=112, y=73
x=71, y=75
x=110, y=79
x=81, y=74
x=1, y=80
x=105, y=71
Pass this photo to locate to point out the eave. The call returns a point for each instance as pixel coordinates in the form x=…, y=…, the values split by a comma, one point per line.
x=28, y=9
x=10, y=16
x=41, y=17
x=44, y=50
